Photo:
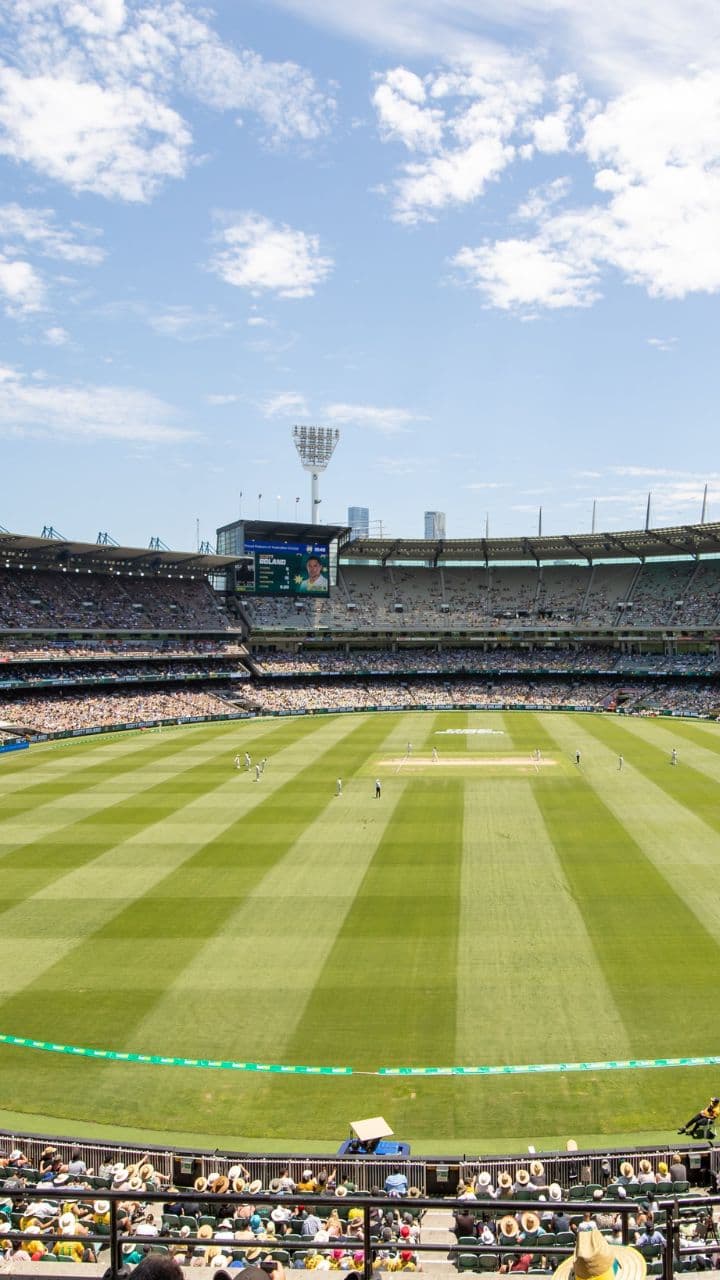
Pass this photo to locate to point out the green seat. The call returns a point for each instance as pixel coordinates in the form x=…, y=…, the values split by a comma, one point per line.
x=281, y=1255
x=488, y=1261
x=466, y=1240
x=467, y=1262
x=171, y=1221
x=564, y=1237
x=546, y=1239
x=680, y=1188
x=191, y=1223
x=577, y=1192
x=205, y=1220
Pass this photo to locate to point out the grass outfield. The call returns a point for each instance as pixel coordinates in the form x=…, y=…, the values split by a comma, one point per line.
x=155, y=900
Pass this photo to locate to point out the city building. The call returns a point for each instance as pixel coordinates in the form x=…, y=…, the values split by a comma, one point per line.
x=358, y=519
x=435, y=525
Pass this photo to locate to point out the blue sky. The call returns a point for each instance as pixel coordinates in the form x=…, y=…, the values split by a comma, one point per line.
x=482, y=239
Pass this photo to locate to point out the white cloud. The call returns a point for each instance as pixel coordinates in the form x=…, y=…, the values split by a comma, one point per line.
x=655, y=152
x=517, y=274
x=389, y=421
x=286, y=404
x=220, y=398
x=187, y=324
x=91, y=413
x=90, y=98
x=464, y=137
x=120, y=143
x=257, y=322
x=20, y=286
x=260, y=255
x=398, y=101
x=56, y=336
x=662, y=344
x=542, y=198
x=617, y=42
x=36, y=228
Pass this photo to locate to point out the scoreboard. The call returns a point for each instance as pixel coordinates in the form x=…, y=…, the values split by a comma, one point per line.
x=284, y=569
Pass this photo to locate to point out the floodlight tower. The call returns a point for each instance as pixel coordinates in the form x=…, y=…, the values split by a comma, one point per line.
x=315, y=446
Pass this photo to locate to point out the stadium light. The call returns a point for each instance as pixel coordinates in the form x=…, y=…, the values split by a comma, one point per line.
x=315, y=446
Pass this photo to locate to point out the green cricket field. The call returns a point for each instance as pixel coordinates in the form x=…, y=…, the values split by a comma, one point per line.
x=498, y=905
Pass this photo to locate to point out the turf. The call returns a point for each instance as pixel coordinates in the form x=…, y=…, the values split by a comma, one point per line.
x=157, y=900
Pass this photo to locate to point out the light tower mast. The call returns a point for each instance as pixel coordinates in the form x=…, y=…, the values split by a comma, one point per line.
x=315, y=446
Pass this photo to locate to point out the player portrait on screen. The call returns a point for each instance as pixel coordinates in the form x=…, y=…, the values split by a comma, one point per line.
x=314, y=577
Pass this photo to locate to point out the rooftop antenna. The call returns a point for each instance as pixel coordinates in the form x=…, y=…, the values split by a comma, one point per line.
x=205, y=549
x=197, y=532
x=49, y=532
x=315, y=446
x=105, y=540
x=703, y=513
x=594, y=516
x=647, y=513
x=240, y=506
x=157, y=544
x=540, y=523
x=487, y=525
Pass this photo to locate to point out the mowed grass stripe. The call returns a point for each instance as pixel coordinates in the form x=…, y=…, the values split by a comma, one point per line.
x=50, y=840
x=697, y=792
x=47, y=922
x=151, y=940
x=631, y=913
x=682, y=846
x=67, y=801
x=703, y=757
x=243, y=992
x=518, y=916
x=76, y=775
x=398, y=943
x=42, y=765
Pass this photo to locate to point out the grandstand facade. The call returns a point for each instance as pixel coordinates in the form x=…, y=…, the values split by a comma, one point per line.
x=95, y=636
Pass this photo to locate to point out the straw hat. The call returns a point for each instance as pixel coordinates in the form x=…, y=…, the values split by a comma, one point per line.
x=253, y=1254
x=537, y=1168
x=67, y=1223
x=415, y=1193
x=274, y=1185
x=508, y=1226
x=235, y=1171
x=504, y=1179
x=341, y=1191
x=205, y=1231
x=596, y=1259
x=102, y=1206
x=555, y=1191
x=255, y=1187
x=522, y=1177
x=136, y=1183
x=200, y=1184
x=530, y=1222
x=221, y=1185
x=484, y=1179
x=146, y=1171
x=238, y=1185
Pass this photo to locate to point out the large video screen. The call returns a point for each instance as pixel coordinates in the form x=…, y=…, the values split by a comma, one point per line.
x=287, y=569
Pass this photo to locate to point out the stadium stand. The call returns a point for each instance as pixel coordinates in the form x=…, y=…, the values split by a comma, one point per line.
x=633, y=627
x=115, y=1206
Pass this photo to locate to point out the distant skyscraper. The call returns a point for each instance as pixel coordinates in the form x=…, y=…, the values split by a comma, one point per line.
x=435, y=525
x=359, y=520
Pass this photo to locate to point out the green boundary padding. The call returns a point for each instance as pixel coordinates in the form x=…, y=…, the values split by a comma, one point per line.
x=219, y=1064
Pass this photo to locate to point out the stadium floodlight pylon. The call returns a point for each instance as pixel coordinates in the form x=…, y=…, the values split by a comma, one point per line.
x=315, y=446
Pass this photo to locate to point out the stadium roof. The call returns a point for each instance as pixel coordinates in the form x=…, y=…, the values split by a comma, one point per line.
x=282, y=530
x=638, y=544
x=21, y=551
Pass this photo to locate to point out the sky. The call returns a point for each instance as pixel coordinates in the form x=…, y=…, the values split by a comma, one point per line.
x=479, y=237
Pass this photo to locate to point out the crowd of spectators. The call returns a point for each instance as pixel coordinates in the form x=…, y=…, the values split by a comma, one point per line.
x=60, y=712
x=18, y=677
x=390, y=598
x=15, y=649
x=304, y=1217
x=692, y=696
x=577, y=659
x=45, y=599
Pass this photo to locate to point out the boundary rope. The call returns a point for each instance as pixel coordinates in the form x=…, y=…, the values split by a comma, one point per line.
x=276, y=1068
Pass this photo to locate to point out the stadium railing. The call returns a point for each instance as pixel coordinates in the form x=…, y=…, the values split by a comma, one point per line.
x=674, y=1255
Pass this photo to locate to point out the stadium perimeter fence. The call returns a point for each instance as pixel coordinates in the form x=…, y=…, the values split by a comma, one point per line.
x=676, y=1254
x=434, y=1176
